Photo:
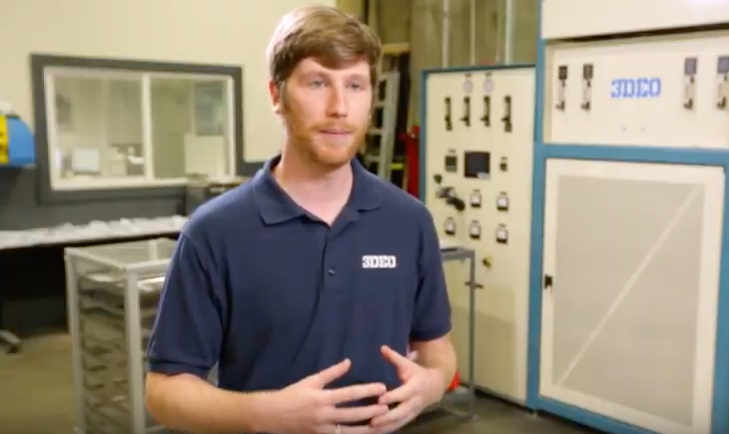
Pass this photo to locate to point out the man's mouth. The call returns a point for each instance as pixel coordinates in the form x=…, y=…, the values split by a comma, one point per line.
x=336, y=132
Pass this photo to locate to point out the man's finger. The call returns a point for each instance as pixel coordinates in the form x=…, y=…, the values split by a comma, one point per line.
x=389, y=429
x=358, y=414
x=400, y=394
x=360, y=429
x=322, y=378
x=354, y=393
x=396, y=358
x=398, y=416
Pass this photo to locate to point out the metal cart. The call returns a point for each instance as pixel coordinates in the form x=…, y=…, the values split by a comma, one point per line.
x=452, y=401
x=113, y=292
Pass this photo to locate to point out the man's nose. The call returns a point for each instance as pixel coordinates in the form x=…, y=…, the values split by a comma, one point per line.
x=337, y=102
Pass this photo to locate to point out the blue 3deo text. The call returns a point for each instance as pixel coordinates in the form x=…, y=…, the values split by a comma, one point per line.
x=642, y=87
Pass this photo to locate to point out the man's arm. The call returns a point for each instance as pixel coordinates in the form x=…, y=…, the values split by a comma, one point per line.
x=440, y=356
x=187, y=403
x=429, y=336
x=185, y=345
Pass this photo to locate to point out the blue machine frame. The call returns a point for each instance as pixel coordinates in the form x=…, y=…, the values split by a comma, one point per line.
x=598, y=152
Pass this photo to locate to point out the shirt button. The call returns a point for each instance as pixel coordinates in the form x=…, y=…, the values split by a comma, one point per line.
x=331, y=272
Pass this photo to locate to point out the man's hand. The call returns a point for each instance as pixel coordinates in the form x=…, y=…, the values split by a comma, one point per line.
x=421, y=387
x=307, y=407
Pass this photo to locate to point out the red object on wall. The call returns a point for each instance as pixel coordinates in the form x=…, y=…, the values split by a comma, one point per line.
x=412, y=160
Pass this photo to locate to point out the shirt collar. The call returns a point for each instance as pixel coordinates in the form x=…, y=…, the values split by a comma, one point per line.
x=275, y=206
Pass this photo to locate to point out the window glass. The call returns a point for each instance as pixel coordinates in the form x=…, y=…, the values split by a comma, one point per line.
x=189, y=119
x=98, y=134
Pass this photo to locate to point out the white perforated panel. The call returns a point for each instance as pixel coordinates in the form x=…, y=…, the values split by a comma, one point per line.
x=629, y=321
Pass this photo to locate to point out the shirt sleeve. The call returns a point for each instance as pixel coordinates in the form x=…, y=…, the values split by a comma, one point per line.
x=432, y=316
x=188, y=331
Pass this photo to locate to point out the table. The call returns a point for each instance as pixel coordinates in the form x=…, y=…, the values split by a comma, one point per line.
x=47, y=244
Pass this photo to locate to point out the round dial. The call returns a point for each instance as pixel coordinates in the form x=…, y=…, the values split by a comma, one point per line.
x=502, y=201
x=450, y=225
x=501, y=233
x=475, y=198
x=474, y=229
x=488, y=85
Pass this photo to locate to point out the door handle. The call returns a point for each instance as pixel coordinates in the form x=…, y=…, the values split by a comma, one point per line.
x=548, y=281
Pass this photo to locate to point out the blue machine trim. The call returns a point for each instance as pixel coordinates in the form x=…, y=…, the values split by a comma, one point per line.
x=637, y=154
x=720, y=416
x=537, y=231
x=588, y=418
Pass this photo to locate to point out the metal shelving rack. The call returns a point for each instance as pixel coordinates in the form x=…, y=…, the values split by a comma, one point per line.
x=113, y=291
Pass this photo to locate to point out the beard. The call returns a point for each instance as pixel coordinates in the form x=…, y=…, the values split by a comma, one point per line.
x=326, y=144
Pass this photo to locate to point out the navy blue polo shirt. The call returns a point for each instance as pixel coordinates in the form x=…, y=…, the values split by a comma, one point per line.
x=274, y=294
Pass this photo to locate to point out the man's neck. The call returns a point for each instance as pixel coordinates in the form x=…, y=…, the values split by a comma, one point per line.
x=318, y=190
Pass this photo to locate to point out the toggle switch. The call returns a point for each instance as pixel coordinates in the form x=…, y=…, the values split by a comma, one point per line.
x=690, y=67
x=587, y=74
x=723, y=82
x=561, y=85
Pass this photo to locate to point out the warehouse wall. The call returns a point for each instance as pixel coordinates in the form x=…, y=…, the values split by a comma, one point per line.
x=420, y=23
x=427, y=30
x=181, y=31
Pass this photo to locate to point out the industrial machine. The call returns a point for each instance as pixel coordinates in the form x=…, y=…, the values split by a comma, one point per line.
x=202, y=188
x=634, y=140
x=667, y=91
x=478, y=153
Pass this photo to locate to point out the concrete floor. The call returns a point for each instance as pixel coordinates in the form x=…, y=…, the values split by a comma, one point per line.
x=35, y=398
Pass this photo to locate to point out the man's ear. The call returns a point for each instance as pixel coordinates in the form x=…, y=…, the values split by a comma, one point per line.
x=273, y=90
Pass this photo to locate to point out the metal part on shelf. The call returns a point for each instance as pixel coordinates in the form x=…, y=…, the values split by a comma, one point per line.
x=201, y=189
x=113, y=291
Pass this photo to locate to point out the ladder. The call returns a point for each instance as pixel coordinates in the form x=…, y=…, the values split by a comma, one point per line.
x=379, y=145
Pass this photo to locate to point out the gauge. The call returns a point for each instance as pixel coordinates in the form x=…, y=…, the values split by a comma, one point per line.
x=502, y=234
x=450, y=226
x=502, y=202
x=488, y=85
x=474, y=229
x=475, y=199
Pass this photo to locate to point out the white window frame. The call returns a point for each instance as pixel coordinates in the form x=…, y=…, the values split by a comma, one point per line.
x=147, y=180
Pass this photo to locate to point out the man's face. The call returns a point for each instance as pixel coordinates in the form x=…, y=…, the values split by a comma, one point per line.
x=326, y=112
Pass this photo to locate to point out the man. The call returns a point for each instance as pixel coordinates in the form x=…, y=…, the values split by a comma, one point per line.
x=308, y=283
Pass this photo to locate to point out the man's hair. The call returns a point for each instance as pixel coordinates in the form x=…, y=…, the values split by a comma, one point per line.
x=332, y=37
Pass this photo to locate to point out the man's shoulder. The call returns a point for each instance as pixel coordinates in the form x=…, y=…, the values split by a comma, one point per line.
x=234, y=208
x=397, y=200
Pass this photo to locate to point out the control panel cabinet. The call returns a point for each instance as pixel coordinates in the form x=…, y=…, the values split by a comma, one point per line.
x=669, y=91
x=478, y=163
x=562, y=19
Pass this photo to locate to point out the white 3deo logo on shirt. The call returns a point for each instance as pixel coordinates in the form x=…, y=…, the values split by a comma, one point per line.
x=379, y=261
